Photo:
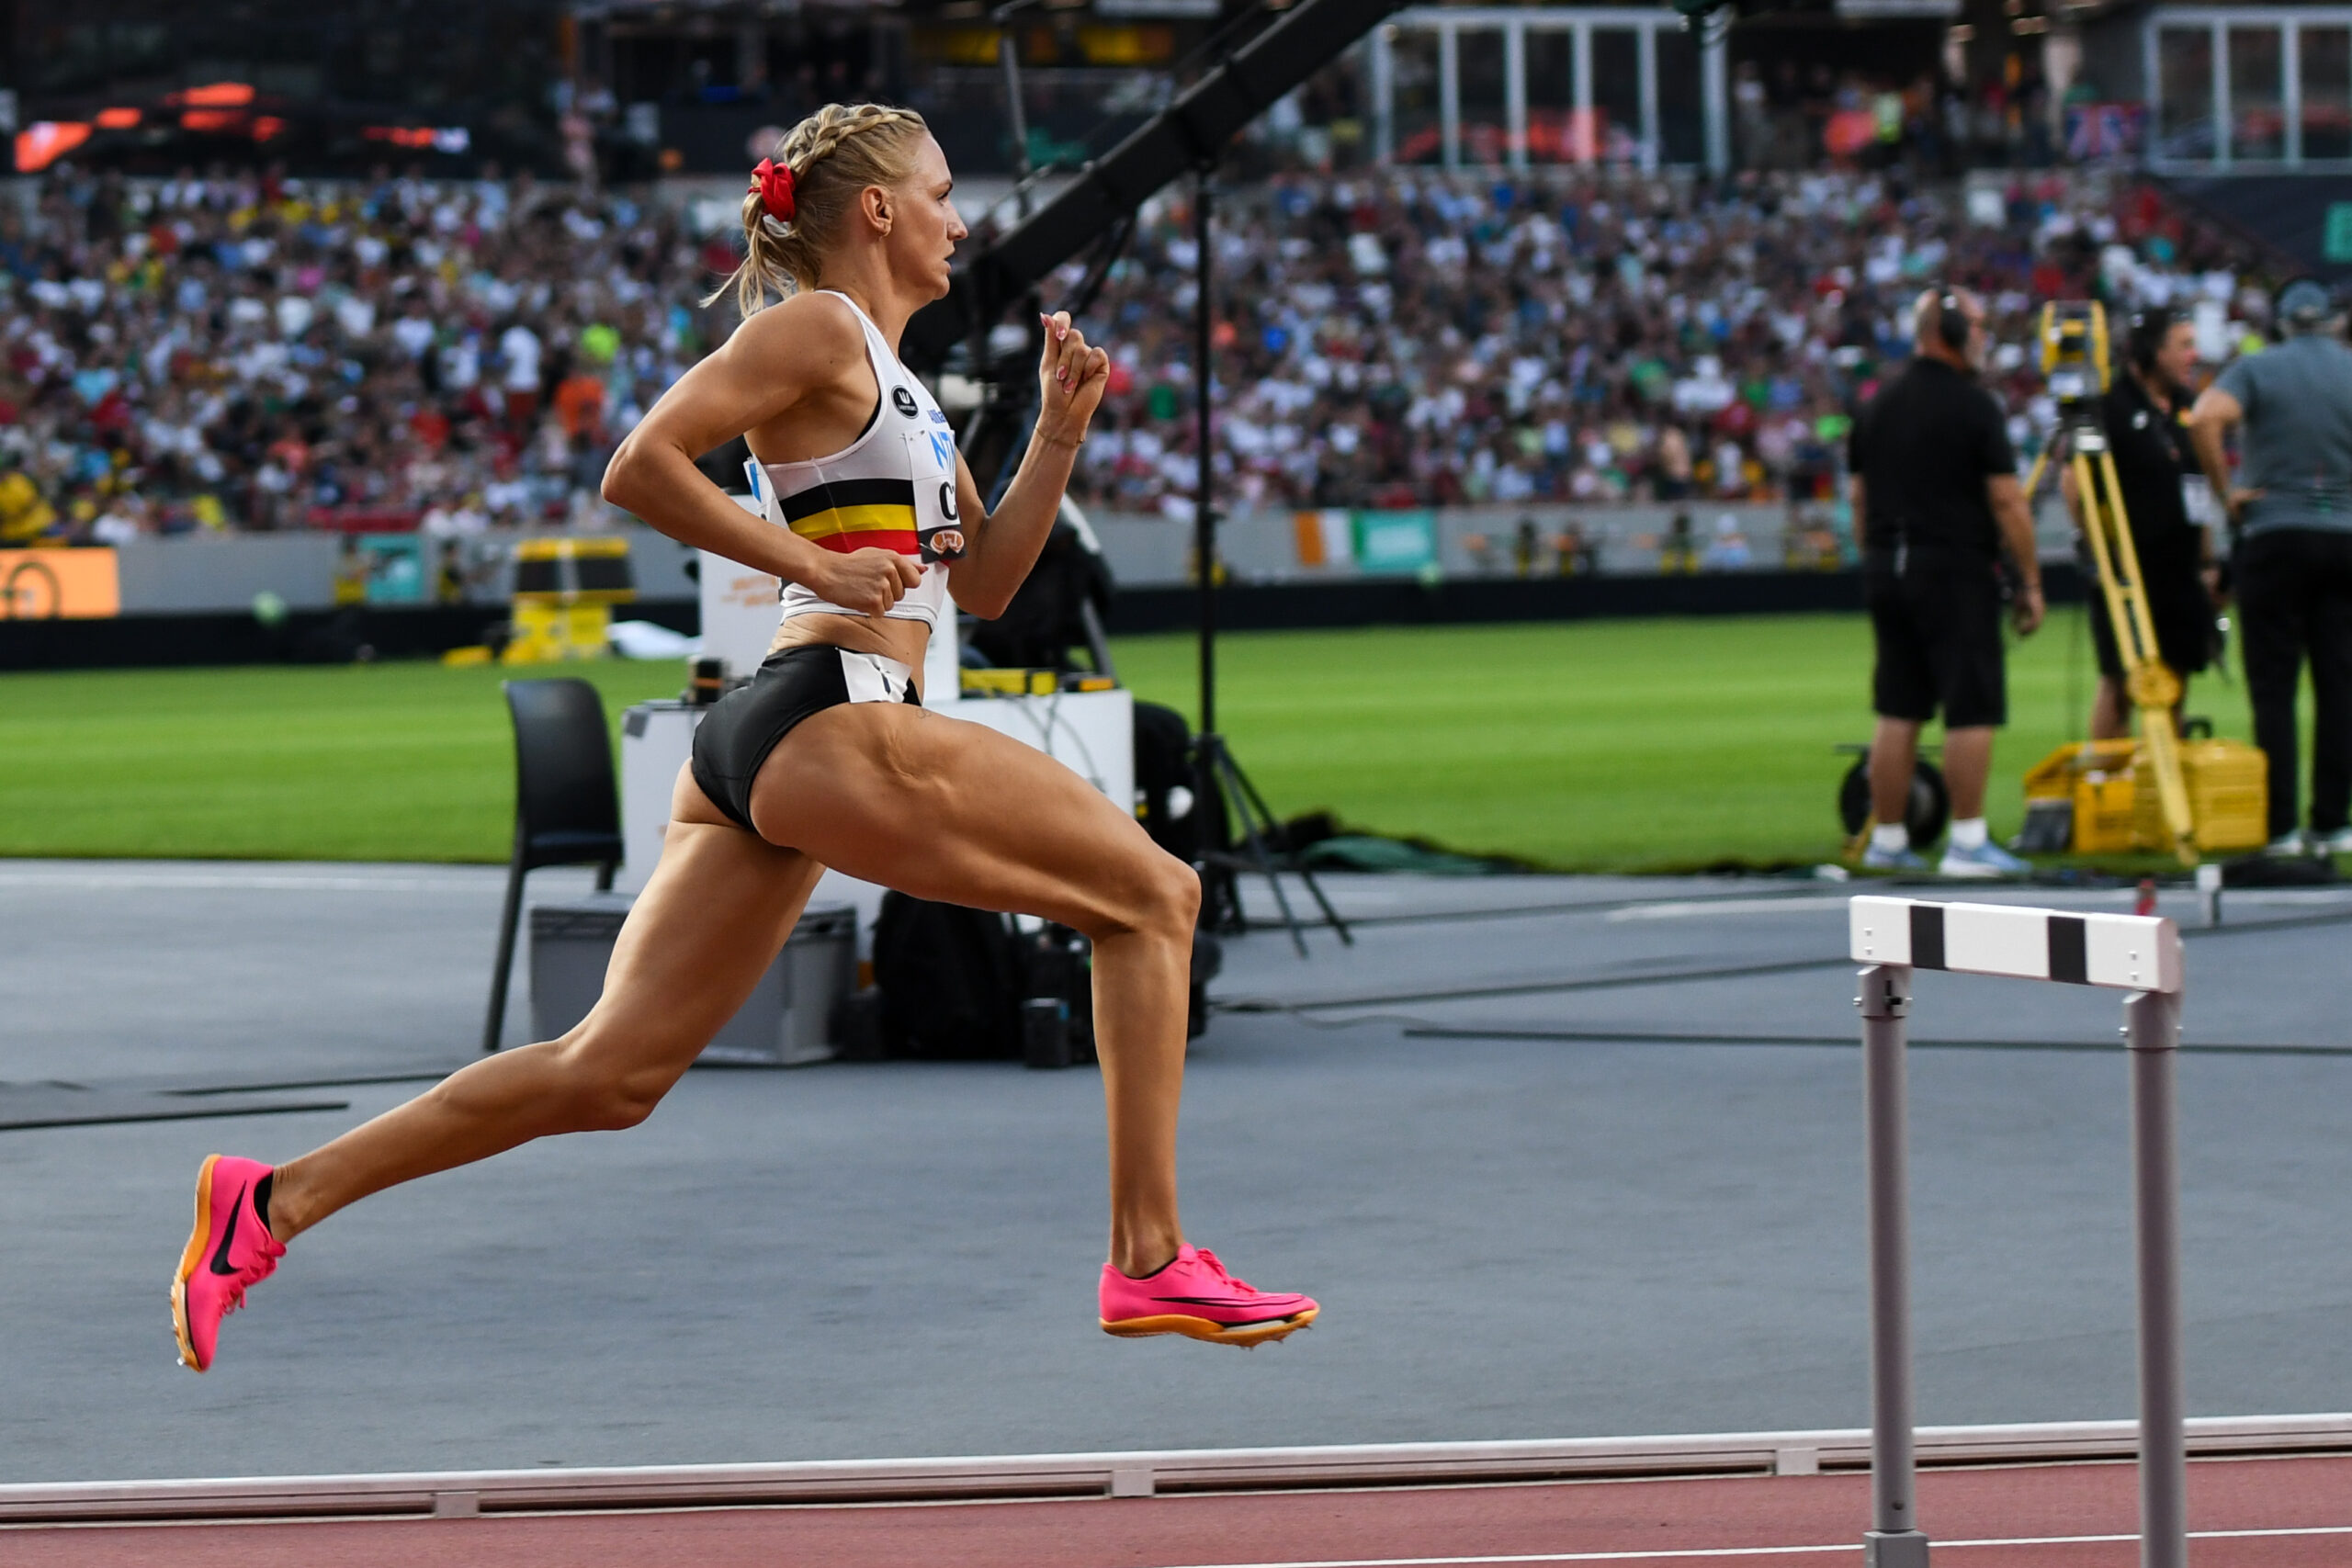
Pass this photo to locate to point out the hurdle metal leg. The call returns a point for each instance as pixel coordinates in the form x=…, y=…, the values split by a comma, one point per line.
x=2138, y=955
x=2151, y=1031
x=1894, y=1539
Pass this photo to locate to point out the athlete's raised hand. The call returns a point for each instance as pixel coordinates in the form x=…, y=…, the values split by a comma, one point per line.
x=1070, y=376
x=869, y=580
x=1071, y=379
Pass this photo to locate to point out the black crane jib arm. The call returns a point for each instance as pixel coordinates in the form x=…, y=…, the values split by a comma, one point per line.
x=1194, y=129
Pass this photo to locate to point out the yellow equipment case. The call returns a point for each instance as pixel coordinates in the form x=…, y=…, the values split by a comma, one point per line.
x=2090, y=784
x=2229, y=783
x=564, y=594
x=2108, y=789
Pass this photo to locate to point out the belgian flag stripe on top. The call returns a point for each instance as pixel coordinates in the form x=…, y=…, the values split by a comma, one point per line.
x=846, y=494
x=901, y=540
x=855, y=514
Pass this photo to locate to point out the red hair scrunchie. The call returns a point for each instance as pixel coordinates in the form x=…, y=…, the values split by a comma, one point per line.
x=773, y=182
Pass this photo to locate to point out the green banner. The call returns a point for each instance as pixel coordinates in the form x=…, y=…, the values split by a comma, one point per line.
x=1395, y=541
x=2337, y=246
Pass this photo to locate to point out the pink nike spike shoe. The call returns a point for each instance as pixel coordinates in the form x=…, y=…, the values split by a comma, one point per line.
x=229, y=1251
x=1195, y=1297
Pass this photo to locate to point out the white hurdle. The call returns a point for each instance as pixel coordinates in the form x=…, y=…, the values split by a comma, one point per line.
x=2132, y=953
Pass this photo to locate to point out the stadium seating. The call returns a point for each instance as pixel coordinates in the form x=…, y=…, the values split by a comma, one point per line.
x=245, y=352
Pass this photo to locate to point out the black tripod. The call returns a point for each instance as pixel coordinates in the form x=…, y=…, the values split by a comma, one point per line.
x=1216, y=772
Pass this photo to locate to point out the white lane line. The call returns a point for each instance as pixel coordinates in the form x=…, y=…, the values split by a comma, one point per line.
x=1688, y=1553
x=1550, y=1557
x=2193, y=1535
x=158, y=882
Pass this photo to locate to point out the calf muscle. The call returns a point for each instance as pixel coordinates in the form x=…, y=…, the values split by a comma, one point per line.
x=957, y=813
x=717, y=906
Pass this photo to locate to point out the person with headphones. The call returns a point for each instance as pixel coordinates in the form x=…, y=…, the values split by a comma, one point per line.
x=2145, y=420
x=1937, y=502
x=2291, y=517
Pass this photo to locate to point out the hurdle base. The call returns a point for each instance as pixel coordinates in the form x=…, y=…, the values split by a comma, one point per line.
x=1895, y=1549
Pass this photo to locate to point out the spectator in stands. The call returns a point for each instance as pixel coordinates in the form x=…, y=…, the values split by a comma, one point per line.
x=24, y=514
x=1728, y=550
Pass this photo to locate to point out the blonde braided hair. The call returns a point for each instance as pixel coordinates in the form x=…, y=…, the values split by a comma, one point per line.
x=833, y=154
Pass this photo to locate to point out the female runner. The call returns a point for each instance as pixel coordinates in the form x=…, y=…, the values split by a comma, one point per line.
x=827, y=758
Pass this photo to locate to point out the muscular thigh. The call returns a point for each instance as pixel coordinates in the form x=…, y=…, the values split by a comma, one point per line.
x=952, y=811
x=710, y=921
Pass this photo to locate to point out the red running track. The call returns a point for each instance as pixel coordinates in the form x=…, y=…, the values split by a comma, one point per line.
x=2289, y=1513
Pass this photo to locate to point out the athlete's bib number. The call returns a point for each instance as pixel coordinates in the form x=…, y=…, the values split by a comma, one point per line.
x=939, y=523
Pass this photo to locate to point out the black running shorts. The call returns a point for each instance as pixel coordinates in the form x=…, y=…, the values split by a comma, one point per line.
x=1937, y=625
x=744, y=725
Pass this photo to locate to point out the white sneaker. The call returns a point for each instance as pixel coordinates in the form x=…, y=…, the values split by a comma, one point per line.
x=1986, y=860
x=1876, y=859
x=2287, y=845
x=2338, y=843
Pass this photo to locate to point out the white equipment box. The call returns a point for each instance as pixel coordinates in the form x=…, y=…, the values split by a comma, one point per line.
x=785, y=1023
x=1092, y=733
x=740, y=613
x=656, y=739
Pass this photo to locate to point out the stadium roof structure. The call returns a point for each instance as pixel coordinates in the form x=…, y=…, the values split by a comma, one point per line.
x=153, y=85
x=217, y=119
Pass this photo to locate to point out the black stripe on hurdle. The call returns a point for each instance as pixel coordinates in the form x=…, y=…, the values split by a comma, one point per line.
x=2070, y=950
x=1926, y=936
x=847, y=492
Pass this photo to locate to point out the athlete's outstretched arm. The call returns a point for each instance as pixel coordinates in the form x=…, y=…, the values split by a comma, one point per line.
x=1071, y=376
x=773, y=362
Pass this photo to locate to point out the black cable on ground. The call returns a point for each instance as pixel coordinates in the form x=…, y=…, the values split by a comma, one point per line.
x=1677, y=977
x=419, y=1075
x=156, y=1108
x=1537, y=987
x=1519, y=911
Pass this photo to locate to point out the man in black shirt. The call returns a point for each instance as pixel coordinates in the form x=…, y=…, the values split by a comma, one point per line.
x=1936, y=497
x=2143, y=416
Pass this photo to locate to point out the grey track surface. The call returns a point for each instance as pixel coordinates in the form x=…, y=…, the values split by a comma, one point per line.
x=1512, y=1237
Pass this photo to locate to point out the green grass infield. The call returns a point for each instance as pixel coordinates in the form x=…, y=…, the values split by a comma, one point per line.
x=1593, y=745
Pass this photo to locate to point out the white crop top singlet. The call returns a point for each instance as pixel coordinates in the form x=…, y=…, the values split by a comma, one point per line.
x=892, y=488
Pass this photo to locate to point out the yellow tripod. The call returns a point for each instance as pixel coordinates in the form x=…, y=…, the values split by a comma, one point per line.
x=2074, y=358
x=2150, y=683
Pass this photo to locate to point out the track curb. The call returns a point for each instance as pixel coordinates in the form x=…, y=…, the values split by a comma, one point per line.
x=466, y=1493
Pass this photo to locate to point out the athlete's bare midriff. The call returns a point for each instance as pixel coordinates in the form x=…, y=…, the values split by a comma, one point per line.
x=905, y=641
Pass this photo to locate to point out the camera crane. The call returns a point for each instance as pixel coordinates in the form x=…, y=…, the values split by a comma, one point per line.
x=1266, y=51
x=2074, y=359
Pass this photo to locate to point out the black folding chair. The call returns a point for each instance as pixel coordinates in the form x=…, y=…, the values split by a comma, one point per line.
x=567, y=811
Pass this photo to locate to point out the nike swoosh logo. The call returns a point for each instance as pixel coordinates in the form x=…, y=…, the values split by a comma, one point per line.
x=220, y=1264
x=1216, y=1301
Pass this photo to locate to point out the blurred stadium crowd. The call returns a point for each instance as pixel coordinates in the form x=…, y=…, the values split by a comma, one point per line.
x=255, y=353
x=244, y=352
x=1404, y=340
